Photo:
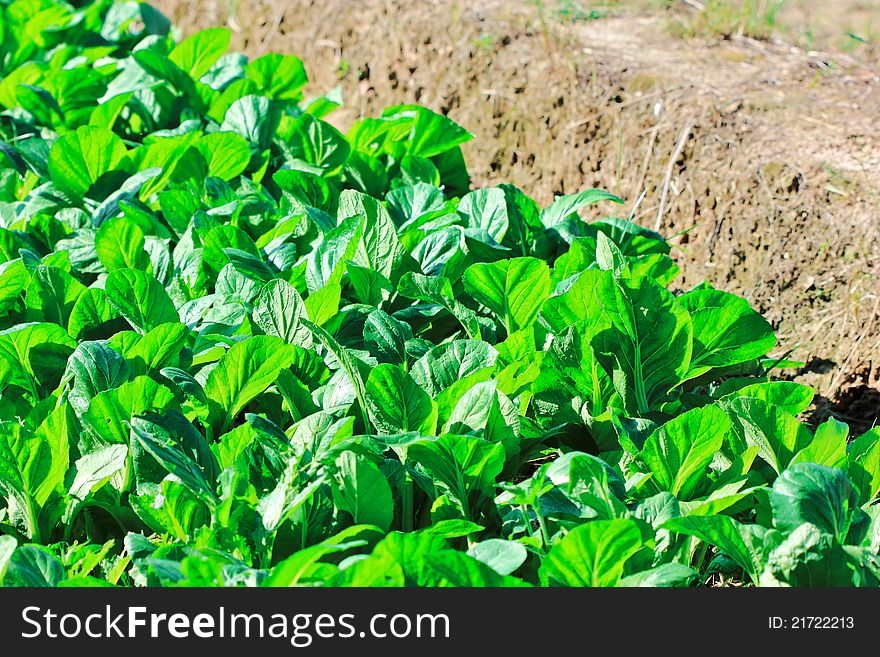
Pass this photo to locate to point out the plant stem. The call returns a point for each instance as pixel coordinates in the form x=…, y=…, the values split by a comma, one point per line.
x=407, y=512
x=700, y=556
x=545, y=535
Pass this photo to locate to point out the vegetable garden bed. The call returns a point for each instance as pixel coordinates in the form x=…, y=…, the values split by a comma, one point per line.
x=241, y=348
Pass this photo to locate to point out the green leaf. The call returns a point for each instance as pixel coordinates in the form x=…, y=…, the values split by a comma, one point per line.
x=679, y=452
x=485, y=214
x=430, y=133
x=665, y=575
x=451, y=568
x=464, y=466
x=348, y=364
x=648, y=348
x=227, y=154
x=397, y=404
x=778, y=435
x=514, y=290
x=363, y=491
x=79, y=159
x=279, y=310
x=315, y=143
x=158, y=348
x=828, y=446
x=808, y=558
x=163, y=447
x=502, y=556
x=593, y=554
x=7, y=548
x=437, y=290
x=91, y=310
x=110, y=412
x=817, y=494
x=726, y=330
x=326, y=264
x=444, y=365
x=119, y=244
x=33, y=354
x=52, y=294
x=198, y=53
x=386, y=337
x=140, y=298
x=96, y=468
x=789, y=396
x=247, y=369
x=380, y=248
x=253, y=118
x=564, y=207
x=863, y=464
x=591, y=296
x=281, y=77
x=744, y=544
x=33, y=566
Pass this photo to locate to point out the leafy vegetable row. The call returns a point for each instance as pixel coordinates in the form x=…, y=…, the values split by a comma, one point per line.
x=240, y=348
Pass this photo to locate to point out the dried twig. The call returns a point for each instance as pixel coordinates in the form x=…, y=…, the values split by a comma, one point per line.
x=679, y=147
x=832, y=387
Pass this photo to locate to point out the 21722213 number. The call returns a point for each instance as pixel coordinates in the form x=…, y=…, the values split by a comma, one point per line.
x=811, y=623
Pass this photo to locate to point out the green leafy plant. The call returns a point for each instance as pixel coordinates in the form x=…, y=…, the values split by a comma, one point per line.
x=241, y=348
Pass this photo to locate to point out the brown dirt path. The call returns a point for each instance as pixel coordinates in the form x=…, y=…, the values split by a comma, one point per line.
x=762, y=157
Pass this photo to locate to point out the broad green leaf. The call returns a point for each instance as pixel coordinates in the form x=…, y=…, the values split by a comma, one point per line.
x=227, y=154
x=158, y=348
x=808, y=557
x=278, y=76
x=386, y=337
x=593, y=554
x=464, y=466
x=778, y=435
x=863, y=464
x=120, y=245
x=165, y=449
x=279, y=310
x=648, y=349
x=33, y=566
x=502, y=556
x=7, y=548
x=590, y=297
x=665, y=575
x=199, y=52
x=679, y=452
x=34, y=354
x=430, y=133
x=789, y=396
x=91, y=310
x=485, y=214
x=397, y=404
x=445, y=364
x=140, y=298
x=111, y=411
x=96, y=468
x=828, y=446
x=247, y=369
x=363, y=491
x=380, y=249
x=744, y=544
x=726, y=330
x=514, y=290
x=80, y=158
x=566, y=206
x=52, y=294
x=451, y=568
x=816, y=494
